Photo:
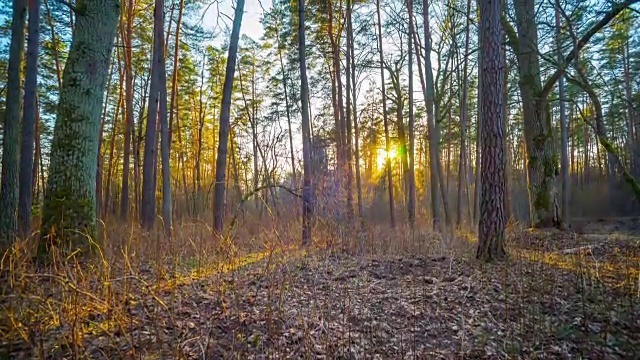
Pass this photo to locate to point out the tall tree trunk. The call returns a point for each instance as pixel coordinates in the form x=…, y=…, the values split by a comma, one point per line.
x=225, y=113
x=564, y=159
x=412, y=165
x=351, y=53
x=28, y=122
x=464, y=110
x=392, y=216
x=307, y=191
x=114, y=133
x=103, y=121
x=174, y=78
x=148, y=212
x=68, y=215
x=11, y=131
x=167, y=217
x=491, y=227
x=129, y=126
x=541, y=152
x=347, y=120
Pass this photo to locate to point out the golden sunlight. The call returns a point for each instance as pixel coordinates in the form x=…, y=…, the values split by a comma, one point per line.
x=383, y=155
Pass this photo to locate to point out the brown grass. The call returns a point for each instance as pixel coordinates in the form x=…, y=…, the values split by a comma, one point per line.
x=259, y=293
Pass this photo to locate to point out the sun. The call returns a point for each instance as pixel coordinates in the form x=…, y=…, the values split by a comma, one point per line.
x=383, y=155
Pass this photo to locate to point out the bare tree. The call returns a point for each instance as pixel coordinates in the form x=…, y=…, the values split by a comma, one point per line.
x=307, y=195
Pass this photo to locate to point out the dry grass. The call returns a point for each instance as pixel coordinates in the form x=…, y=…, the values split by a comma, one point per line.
x=360, y=291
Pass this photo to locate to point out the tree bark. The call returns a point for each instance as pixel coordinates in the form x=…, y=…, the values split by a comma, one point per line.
x=412, y=165
x=307, y=190
x=128, y=127
x=11, y=131
x=68, y=216
x=491, y=226
x=148, y=213
x=464, y=110
x=28, y=122
x=225, y=113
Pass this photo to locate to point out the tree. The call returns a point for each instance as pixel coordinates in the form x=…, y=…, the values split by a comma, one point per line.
x=492, y=211
x=542, y=167
x=68, y=216
x=29, y=122
x=392, y=217
x=307, y=195
x=128, y=128
x=225, y=114
x=411, y=150
x=148, y=211
x=9, y=185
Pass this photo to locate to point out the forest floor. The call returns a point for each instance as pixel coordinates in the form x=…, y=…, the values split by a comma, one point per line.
x=560, y=295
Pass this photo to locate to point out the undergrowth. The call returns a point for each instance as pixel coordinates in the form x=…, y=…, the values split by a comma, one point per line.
x=358, y=291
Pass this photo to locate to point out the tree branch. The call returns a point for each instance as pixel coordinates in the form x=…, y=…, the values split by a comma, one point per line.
x=553, y=79
x=69, y=5
x=511, y=33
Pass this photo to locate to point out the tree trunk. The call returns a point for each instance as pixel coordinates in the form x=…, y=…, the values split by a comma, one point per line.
x=392, y=216
x=542, y=166
x=128, y=127
x=174, y=77
x=307, y=190
x=11, y=131
x=347, y=120
x=28, y=122
x=225, y=113
x=492, y=222
x=351, y=53
x=148, y=212
x=103, y=121
x=412, y=164
x=68, y=216
x=464, y=110
x=564, y=159
x=167, y=217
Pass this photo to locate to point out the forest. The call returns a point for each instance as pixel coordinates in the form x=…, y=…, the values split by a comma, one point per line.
x=330, y=179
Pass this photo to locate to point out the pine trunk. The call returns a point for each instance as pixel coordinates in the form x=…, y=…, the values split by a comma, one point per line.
x=492, y=221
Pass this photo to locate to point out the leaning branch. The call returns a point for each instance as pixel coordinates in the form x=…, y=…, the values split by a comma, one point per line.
x=581, y=43
x=602, y=137
x=69, y=5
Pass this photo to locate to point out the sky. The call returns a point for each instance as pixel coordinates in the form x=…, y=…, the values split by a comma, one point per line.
x=251, y=25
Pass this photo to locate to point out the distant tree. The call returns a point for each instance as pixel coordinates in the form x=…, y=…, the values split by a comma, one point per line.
x=68, y=216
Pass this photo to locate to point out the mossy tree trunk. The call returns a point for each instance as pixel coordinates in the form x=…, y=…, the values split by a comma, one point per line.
x=68, y=218
x=541, y=153
x=11, y=135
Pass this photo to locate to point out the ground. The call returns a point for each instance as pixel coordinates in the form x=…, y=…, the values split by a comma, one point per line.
x=560, y=295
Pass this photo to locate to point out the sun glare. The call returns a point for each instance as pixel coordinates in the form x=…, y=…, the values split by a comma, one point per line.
x=383, y=155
